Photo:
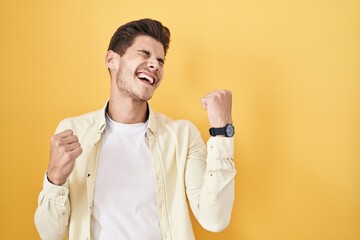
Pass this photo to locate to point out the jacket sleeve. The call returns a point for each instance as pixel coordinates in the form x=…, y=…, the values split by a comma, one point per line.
x=209, y=180
x=52, y=214
x=53, y=211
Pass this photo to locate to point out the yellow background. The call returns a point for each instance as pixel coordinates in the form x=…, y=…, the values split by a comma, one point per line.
x=293, y=67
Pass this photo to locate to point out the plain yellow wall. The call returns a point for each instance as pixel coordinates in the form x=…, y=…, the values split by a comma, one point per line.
x=293, y=67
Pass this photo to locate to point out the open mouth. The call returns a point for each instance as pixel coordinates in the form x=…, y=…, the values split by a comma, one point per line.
x=146, y=78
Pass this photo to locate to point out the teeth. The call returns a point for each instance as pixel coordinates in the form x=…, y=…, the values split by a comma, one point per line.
x=143, y=75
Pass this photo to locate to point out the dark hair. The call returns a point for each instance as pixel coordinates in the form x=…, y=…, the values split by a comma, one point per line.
x=124, y=36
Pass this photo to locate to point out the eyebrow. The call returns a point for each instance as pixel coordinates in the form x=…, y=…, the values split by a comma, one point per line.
x=148, y=54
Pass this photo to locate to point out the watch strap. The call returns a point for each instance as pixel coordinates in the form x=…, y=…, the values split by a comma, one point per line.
x=217, y=131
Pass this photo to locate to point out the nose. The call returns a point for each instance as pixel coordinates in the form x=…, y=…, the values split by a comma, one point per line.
x=153, y=64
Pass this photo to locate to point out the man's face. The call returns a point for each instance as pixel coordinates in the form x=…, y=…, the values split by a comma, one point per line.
x=140, y=69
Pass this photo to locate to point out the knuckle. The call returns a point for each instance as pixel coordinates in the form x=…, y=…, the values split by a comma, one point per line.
x=68, y=157
x=61, y=148
x=53, y=138
x=77, y=146
x=219, y=93
x=69, y=131
x=56, y=143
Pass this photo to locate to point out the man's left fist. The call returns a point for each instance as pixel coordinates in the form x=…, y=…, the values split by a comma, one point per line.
x=218, y=105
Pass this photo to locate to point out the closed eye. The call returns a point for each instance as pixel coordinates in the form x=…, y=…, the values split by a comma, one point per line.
x=148, y=55
x=161, y=61
x=144, y=52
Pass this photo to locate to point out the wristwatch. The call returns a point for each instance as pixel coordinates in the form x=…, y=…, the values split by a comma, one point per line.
x=227, y=131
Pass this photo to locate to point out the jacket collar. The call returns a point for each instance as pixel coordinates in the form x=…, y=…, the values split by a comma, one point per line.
x=152, y=124
x=101, y=121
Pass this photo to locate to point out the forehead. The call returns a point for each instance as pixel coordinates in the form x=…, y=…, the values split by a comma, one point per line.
x=149, y=44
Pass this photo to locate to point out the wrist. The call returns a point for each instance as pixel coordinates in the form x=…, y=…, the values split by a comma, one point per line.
x=54, y=180
x=220, y=122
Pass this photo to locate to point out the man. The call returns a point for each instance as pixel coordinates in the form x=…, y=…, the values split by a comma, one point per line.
x=125, y=171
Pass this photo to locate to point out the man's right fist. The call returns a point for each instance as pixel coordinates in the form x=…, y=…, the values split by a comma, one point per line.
x=64, y=149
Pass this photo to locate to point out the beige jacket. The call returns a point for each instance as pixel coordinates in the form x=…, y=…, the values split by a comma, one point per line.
x=184, y=169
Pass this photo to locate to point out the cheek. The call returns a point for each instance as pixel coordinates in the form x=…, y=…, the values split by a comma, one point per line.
x=161, y=74
x=161, y=78
x=125, y=72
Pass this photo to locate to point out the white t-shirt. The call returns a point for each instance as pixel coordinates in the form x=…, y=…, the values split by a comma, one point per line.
x=125, y=204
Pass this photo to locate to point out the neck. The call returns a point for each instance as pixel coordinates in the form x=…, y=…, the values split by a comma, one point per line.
x=128, y=111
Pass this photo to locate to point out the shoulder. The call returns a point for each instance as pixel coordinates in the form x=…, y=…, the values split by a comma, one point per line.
x=82, y=122
x=182, y=132
x=165, y=122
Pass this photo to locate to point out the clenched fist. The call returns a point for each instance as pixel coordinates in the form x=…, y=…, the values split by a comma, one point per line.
x=218, y=105
x=64, y=149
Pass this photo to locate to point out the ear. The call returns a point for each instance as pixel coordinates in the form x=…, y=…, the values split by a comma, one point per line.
x=112, y=60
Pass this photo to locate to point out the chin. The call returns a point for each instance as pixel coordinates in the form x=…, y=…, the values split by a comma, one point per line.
x=147, y=98
x=144, y=97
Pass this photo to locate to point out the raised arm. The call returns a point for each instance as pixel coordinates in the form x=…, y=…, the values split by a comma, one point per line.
x=52, y=214
x=209, y=177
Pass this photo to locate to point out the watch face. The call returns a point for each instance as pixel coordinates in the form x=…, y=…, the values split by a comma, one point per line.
x=229, y=130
